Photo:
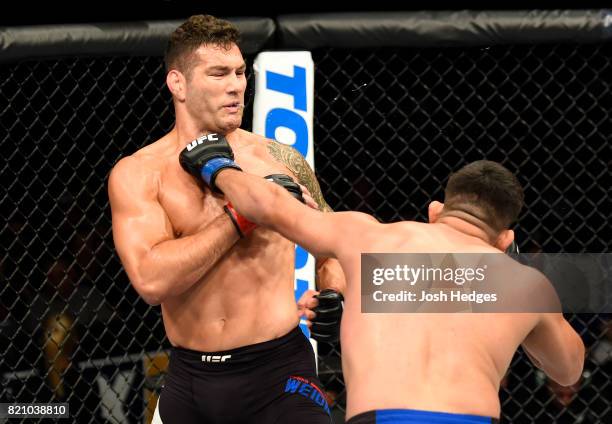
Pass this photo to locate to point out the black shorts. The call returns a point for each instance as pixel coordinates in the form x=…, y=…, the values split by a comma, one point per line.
x=270, y=382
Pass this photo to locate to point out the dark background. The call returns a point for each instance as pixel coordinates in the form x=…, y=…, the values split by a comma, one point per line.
x=419, y=112
x=62, y=11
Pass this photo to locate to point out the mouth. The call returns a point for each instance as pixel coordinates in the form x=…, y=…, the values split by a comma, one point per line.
x=233, y=107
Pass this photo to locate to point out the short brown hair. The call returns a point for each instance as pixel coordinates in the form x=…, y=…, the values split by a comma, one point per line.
x=196, y=31
x=487, y=190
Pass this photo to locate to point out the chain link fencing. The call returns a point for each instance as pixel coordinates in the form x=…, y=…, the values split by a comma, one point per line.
x=390, y=125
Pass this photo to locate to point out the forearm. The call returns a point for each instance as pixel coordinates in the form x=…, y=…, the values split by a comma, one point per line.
x=556, y=349
x=533, y=360
x=173, y=266
x=566, y=373
x=253, y=197
x=330, y=275
x=271, y=206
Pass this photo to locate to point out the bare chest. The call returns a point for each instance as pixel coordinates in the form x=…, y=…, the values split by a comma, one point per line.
x=190, y=206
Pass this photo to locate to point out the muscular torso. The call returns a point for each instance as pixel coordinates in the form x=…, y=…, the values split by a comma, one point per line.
x=247, y=297
x=440, y=362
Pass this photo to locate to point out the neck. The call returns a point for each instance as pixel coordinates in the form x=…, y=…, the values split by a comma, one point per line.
x=468, y=225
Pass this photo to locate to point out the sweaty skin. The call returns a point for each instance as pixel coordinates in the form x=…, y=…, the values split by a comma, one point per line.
x=437, y=362
x=179, y=248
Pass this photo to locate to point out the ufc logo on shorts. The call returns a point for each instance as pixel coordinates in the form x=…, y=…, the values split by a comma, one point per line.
x=200, y=140
x=215, y=358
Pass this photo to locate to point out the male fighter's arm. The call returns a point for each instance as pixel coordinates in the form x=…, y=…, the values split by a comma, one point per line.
x=323, y=234
x=553, y=345
x=329, y=271
x=556, y=349
x=322, y=310
x=158, y=264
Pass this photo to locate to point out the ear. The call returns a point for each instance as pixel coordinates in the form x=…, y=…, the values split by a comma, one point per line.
x=176, y=83
x=504, y=240
x=434, y=211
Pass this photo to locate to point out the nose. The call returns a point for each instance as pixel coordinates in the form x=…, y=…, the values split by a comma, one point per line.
x=236, y=84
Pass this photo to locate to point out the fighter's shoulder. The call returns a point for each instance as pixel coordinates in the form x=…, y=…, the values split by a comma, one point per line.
x=150, y=158
x=257, y=144
x=525, y=279
x=252, y=137
x=530, y=275
x=362, y=226
x=134, y=174
x=406, y=228
x=357, y=217
x=284, y=154
x=281, y=152
x=271, y=143
x=394, y=235
x=134, y=165
x=539, y=293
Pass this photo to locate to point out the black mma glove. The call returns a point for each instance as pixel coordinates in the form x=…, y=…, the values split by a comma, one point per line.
x=513, y=250
x=287, y=182
x=326, y=324
x=205, y=156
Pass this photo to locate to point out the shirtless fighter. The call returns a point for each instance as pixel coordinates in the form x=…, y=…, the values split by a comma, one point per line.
x=420, y=368
x=226, y=288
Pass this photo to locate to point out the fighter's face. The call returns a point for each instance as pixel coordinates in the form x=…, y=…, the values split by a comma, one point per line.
x=215, y=88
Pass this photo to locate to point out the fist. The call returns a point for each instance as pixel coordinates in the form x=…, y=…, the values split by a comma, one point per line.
x=286, y=182
x=323, y=312
x=205, y=156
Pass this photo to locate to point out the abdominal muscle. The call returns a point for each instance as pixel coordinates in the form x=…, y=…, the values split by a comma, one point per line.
x=246, y=298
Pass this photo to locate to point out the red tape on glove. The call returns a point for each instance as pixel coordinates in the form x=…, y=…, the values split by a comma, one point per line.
x=243, y=225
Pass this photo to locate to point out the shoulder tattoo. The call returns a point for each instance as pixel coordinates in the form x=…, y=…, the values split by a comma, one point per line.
x=296, y=163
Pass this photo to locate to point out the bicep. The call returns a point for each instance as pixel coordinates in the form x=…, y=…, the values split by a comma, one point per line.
x=138, y=219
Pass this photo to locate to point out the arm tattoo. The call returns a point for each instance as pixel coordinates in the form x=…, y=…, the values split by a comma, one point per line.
x=296, y=163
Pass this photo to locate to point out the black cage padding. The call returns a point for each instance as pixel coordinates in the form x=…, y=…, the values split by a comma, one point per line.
x=124, y=38
x=444, y=29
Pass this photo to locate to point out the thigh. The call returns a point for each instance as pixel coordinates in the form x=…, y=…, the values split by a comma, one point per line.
x=302, y=401
x=170, y=410
x=175, y=404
